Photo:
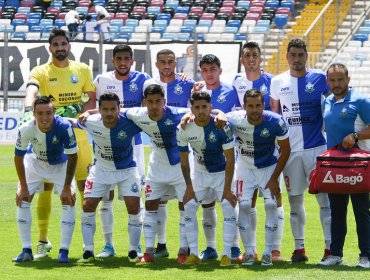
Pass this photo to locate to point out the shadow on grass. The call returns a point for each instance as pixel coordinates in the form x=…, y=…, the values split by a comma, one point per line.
x=170, y=263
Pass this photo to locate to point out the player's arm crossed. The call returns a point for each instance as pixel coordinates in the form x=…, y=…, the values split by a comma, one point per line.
x=229, y=173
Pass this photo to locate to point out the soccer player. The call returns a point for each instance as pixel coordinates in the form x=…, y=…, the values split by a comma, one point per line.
x=255, y=77
x=299, y=93
x=177, y=93
x=114, y=164
x=258, y=166
x=347, y=123
x=213, y=173
x=128, y=85
x=225, y=98
x=45, y=150
x=160, y=122
x=69, y=85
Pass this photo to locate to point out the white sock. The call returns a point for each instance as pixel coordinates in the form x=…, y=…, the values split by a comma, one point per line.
x=162, y=223
x=135, y=225
x=183, y=241
x=150, y=229
x=229, y=226
x=67, y=226
x=88, y=226
x=280, y=229
x=253, y=218
x=325, y=217
x=297, y=219
x=106, y=220
x=237, y=234
x=209, y=223
x=24, y=221
x=245, y=225
x=271, y=225
x=191, y=225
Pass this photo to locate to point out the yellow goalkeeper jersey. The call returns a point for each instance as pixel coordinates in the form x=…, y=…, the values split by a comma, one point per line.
x=64, y=86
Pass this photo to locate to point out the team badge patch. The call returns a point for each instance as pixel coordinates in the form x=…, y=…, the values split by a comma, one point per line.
x=55, y=140
x=74, y=79
x=134, y=188
x=212, y=137
x=265, y=133
x=263, y=89
x=121, y=135
x=178, y=90
x=133, y=87
x=309, y=88
x=221, y=99
x=168, y=122
x=344, y=112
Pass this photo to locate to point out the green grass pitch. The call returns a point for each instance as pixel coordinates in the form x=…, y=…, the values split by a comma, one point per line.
x=119, y=267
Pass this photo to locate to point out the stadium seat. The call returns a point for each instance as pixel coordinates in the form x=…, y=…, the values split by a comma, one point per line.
x=82, y=10
x=33, y=36
x=19, y=36
x=173, y=29
x=281, y=10
x=237, y=16
x=27, y=3
x=176, y=22
x=182, y=10
x=234, y=23
x=58, y=23
x=252, y=16
x=127, y=29
x=168, y=36
x=55, y=10
x=287, y=4
x=219, y=22
x=18, y=21
x=25, y=10
x=208, y=16
x=36, y=28
x=256, y=10
x=180, y=16
x=139, y=9
x=158, y=29
x=281, y=20
x=122, y=16
x=202, y=29
x=146, y=22
x=227, y=37
x=187, y=29
x=231, y=29
x=272, y=4
x=132, y=22
x=154, y=10
x=357, y=40
x=197, y=10
x=161, y=23
x=55, y=3
x=222, y=16
x=183, y=36
x=20, y=16
x=190, y=23
x=194, y=16
x=226, y=10
x=164, y=16
x=172, y=4
x=212, y=37
x=152, y=17
x=216, y=29
x=138, y=36
x=116, y=22
x=240, y=37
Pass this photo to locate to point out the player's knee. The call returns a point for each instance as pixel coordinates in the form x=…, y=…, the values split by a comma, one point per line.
x=227, y=209
x=245, y=205
x=133, y=206
x=152, y=205
x=191, y=207
x=270, y=205
x=89, y=205
x=323, y=200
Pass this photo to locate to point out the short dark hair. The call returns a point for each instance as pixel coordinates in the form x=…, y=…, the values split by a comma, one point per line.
x=123, y=48
x=297, y=43
x=109, y=96
x=88, y=17
x=200, y=95
x=210, y=59
x=57, y=32
x=42, y=100
x=253, y=93
x=153, y=89
x=165, y=52
x=251, y=45
x=336, y=66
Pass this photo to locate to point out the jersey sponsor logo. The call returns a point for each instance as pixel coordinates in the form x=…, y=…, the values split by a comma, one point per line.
x=297, y=120
x=121, y=135
x=74, y=79
x=245, y=152
x=111, y=87
x=341, y=179
x=285, y=90
x=212, y=137
x=97, y=132
x=168, y=122
x=133, y=87
x=192, y=138
x=310, y=88
x=145, y=123
x=178, y=90
x=52, y=79
x=285, y=109
x=51, y=98
x=265, y=133
x=134, y=188
x=242, y=87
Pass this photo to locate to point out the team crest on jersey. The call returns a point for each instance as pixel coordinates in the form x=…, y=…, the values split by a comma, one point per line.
x=229, y=133
x=168, y=122
x=212, y=137
x=344, y=112
x=283, y=126
x=74, y=79
x=133, y=87
x=34, y=141
x=263, y=89
x=309, y=88
x=121, y=135
x=178, y=90
x=265, y=133
x=54, y=140
x=134, y=188
x=221, y=99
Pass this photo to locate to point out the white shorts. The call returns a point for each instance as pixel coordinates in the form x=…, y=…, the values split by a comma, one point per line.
x=298, y=169
x=99, y=182
x=248, y=180
x=158, y=187
x=140, y=161
x=38, y=171
x=208, y=187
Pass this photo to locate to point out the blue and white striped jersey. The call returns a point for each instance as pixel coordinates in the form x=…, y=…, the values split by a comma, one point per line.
x=112, y=146
x=345, y=116
x=263, y=84
x=256, y=145
x=177, y=92
x=224, y=98
x=301, y=102
x=207, y=143
x=51, y=146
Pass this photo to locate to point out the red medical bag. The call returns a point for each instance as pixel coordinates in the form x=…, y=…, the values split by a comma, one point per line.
x=341, y=171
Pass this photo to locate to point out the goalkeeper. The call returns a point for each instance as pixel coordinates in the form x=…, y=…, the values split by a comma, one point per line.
x=69, y=85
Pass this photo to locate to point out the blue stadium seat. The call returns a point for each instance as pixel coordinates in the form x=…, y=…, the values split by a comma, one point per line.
x=240, y=37
x=168, y=36
x=161, y=23
x=132, y=22
x=244, y=4
x=172, y=4
x=190, y=23
x=263, y=22
x=126, y=29
x=125, y=36
x=153, y=10
x=99, y=3
x=163, y=16
x=46, y=22
x=182, y=10
x=287, y=4
x=272, y=4
x=25, y=10
x=32, y=22
x=158, y=29
x=58, y=23
x=261, y=29
x=19, y=36
x=367, y=22
x=36, y=15
x=360, y=37
x=18, y=21
x=234, y=23
x=82, y=10
x=13, y=3
x=205, y=22
x=231, y=29
x=281, y=20
x=364, y=30
x=187, y=29
x=116, y=22
x=183, y=36
x=36, y=28
x=56, y=4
